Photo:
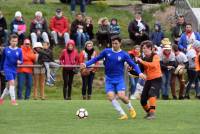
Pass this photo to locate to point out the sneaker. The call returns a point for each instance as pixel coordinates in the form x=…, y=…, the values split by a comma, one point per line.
x=14, y=103
x=187, y=97
x=174, y=97
x=49, y=84
x=132, y=113
x=133, y=97
x=147, y=115
x=1, y=101
x=151, y=116
x=123, y=117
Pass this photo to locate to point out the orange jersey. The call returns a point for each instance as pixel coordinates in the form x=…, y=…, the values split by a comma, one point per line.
x=152, y=69
x=197, y=64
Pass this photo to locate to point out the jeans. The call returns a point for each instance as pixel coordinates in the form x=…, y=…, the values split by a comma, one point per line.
x=54, y=35
x=44, y=37
x=54, y=66
x=166, y=82
x=24, y=79
x=80, y=40
x=82, y=5
x=133, y=83
x=87, y=84
x=192, y=78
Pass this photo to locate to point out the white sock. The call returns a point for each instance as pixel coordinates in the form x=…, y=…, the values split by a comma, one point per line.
x=117, y=106
x=12, y=92
x=129, y=105
x=5, y=92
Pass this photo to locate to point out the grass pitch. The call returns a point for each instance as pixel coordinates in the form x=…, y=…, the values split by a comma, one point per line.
x=58, y=117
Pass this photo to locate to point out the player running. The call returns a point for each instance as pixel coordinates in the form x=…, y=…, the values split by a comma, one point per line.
x=114, y=71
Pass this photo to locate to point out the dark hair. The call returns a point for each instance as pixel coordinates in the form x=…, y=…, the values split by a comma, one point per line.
x=190, y=24
x=116, y=37
x=77, y=14
x=148, y=44
x=175, y=48
x=13, y=36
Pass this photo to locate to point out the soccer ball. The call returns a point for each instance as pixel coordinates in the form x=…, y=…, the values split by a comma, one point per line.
x=82, y=113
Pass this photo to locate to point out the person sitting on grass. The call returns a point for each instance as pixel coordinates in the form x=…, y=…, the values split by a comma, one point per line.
x=114, y=71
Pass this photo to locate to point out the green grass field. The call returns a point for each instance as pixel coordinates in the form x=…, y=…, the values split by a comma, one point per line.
x=58, y=117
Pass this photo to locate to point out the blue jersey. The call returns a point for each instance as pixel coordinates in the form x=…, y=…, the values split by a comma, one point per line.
x=9, y=59
x=114, y=63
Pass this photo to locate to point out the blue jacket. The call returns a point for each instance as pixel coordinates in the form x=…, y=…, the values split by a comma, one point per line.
x=182, y=44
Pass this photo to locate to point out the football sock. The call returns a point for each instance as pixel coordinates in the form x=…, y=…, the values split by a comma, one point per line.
x=129, y=105
x=146, y=108
x=5, y=92
x=117, y=106
x=12, y=92
x=152, y=102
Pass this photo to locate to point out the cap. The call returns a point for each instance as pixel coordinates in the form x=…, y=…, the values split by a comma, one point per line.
x=167, y=47
x=18, y=14
x=37, y=44
x=165, y=41
x=58, y=10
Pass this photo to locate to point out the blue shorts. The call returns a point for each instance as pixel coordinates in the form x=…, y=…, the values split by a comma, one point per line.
x=115, y=87
x=10, y=75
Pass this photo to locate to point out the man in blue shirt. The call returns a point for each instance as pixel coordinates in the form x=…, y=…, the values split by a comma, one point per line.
x=11, y=57
x=114, y=71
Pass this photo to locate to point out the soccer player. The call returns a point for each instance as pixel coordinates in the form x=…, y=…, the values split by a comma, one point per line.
x=11, y=57
x=114, y=71
x=152, y=69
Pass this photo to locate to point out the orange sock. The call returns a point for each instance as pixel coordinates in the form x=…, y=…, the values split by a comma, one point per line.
x=146, y=108
x=152, y=102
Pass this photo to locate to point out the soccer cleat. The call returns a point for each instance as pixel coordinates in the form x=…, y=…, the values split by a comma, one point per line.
x=14, y=102
x=151, y=116
x=1, y=101
x=132, y=113
x=123, y=117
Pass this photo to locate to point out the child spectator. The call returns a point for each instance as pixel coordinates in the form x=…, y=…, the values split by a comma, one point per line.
x=18, y=26
x=181, y=65
x=46, y=58
x=59, y=26
x=24, y=74
x=3, y=29
x=39, y=29
x=89, y=28
x=103, y=34
x=157, y=35
x=69, y=56
x=85, y=55
x=38, y=74
x=114, y=26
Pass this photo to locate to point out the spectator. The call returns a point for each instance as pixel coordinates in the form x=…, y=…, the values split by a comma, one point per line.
x=114, y=26
x=46, y=59
x=78, y=31
x=178, y=29
x=89, y=28
x=103, y=34
x=3, y=29
x=69, y=56
x=38, y=74
x=181, y=65
x=138, y=29
x=24, y=74
x=157, y=35
x=59, y=26
x=188, y=37
x=193, y=69
x=38, y=29
x=133, y=78
x=18, y=26
x=87, y=81
x=82, y=7
x=40, y=1
x=167, y=62
x=2, y=75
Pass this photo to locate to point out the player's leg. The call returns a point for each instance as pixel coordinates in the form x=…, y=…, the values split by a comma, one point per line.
x=144, y=97
x=5, y=93
x=11, y=84
x=154, y=89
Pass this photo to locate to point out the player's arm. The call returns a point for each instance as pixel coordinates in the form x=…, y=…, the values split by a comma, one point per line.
x=20, y=59
x=94, y=60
